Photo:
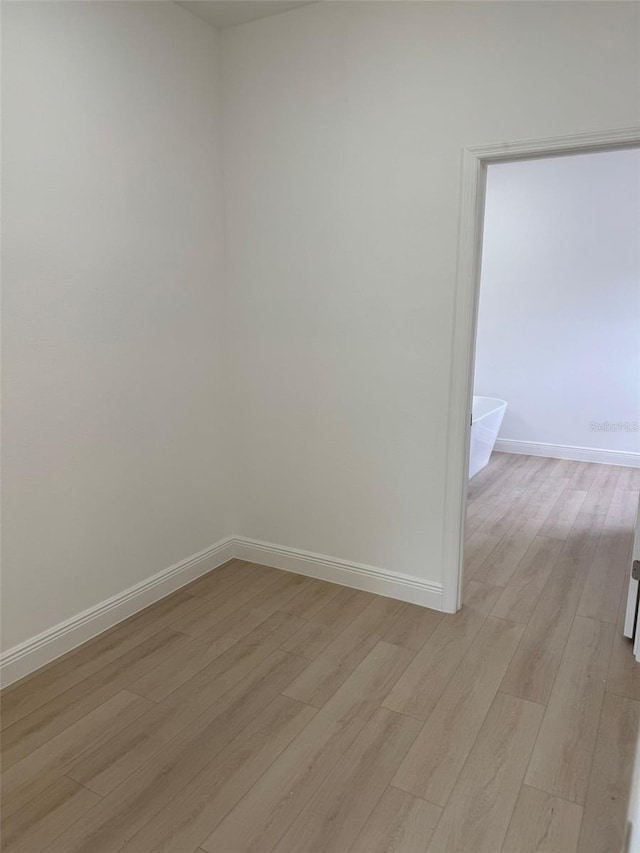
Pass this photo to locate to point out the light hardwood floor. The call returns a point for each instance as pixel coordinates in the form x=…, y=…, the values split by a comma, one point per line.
x=257, y=711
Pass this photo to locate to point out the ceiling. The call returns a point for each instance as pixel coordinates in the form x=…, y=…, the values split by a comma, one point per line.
x=230, y=13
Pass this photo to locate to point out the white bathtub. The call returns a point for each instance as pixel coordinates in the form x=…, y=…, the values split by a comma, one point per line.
x=486, y=420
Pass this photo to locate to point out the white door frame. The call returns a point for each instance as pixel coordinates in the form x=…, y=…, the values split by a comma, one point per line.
x=474, y=170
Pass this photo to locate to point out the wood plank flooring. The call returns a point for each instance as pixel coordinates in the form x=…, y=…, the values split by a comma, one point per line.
x=257, y=711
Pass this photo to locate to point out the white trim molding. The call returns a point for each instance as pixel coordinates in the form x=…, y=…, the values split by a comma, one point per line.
x=34, y=653
x=25, y=658
x=343, y=572
x=567, y=451
x=475, y=160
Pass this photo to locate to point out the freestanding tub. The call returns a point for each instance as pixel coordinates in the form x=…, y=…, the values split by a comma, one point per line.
x=486, y=418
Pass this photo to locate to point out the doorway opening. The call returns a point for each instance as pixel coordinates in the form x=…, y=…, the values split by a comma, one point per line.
x=476, y=164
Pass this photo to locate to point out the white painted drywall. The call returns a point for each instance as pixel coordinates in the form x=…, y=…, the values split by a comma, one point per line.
x=559, y=316
x=114, y=449
x=344, y=129
x=344, y=126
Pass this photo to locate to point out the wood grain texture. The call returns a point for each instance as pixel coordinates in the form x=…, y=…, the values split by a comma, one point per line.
x=439, y=752
x=494, y=504
x=515, y=498
x=265, y=814
x=121, y=814
x=322, y=628
x=419, y=689
x=234, y=689
x=32, y=693
x=336, y=813
x=609, y=573
x=320, y=680
x=256, y=711
x=212, y=618
x=193, y=814
x=523, y=590
x=534, y=667
x=36, y=728
x=606, y=805
x=479, y=810
x=561, y=760
x=624, y=671
x=309, y=601
x=543, y=824
x=29, y=777
x=263, y=626
x=31, y=829
x=400, y=823
x=499, y=566
x=139, y=626
x=413, y=627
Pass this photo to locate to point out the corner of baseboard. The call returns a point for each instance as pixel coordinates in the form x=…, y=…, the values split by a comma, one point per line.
x=32, y=654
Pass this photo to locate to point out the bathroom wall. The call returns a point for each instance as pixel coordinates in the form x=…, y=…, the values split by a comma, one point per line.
x=344, y=130
x=559, y=318
x=113, y=393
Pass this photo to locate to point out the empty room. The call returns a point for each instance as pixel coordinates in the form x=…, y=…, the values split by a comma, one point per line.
x=320, y=426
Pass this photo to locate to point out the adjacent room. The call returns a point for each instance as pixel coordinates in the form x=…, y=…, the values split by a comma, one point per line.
x=557, y=363
x=555, y=443
x=320, y=406
x=559, y=306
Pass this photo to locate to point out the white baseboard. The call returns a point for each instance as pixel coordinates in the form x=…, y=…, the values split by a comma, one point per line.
x=562, y=451
x=25, y=658
x=355, y=575
x=30, y=655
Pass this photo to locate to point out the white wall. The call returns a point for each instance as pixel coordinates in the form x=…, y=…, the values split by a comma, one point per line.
x=113, y=377
x=344, y=125
x=559, y=318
